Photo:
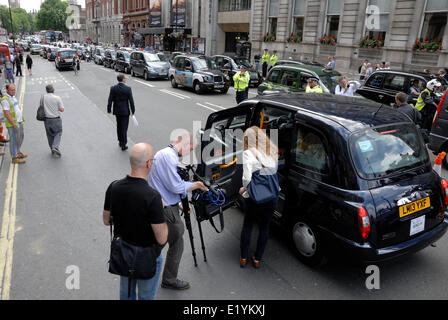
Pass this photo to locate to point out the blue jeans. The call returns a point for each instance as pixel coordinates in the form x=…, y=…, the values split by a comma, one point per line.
x=147, y=289
x=10, y=75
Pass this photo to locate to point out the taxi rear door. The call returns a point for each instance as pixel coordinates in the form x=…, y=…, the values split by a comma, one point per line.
x=222, y=151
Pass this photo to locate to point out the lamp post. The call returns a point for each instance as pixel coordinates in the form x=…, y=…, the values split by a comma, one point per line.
x=12, y=25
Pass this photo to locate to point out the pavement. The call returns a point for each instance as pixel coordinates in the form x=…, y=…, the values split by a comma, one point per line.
x=52, y=209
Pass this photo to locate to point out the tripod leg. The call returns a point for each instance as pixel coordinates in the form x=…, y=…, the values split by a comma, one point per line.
x=190, y=230
x=202, y=240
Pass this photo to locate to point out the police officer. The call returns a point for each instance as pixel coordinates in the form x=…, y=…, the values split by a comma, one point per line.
x=426, y=105
x=274, y=58
x=313, y=86
x=241, y=83
x=265, y=60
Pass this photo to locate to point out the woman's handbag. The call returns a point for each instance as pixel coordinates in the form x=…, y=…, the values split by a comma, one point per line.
x=263, y=186
x=40, y=116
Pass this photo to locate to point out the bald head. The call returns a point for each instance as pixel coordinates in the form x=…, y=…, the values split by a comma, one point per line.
x=141, y=153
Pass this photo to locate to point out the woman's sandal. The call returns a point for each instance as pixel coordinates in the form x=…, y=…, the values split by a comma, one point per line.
x=255, y=263
x=243, y=262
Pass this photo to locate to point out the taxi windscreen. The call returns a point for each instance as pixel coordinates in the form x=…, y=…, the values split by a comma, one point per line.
x=383, y=151
x=67, y=54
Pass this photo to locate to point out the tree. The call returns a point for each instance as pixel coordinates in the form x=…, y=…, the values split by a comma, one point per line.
x=22, y=20
x=52, y=16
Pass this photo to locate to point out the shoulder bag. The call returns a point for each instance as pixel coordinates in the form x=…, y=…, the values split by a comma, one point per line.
x=40, y=116
x=263, y=186
x=132, y=261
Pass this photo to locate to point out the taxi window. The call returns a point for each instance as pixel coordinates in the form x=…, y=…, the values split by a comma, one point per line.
x=375, y=80
x=394, y=82
x=274, y=76
x=309, y=151
x=290, y=79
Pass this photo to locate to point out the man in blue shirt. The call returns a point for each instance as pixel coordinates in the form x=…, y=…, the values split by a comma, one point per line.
x=165, y=179
x=331, y=63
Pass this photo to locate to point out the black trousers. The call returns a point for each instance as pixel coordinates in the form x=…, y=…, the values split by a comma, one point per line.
x=265, y=69
x=428, y=113
x=122, y=129
x=19, y=70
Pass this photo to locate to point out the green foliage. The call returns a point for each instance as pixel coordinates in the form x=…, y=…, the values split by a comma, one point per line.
x=52, y=16
x=22, y=20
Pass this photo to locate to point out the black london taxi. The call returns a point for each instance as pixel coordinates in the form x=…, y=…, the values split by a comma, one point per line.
x=382, y=86
x=355, y=176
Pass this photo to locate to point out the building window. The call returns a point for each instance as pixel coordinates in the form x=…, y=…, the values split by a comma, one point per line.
x=435, y=20
x=272, y=17
x=299, y=17
x=332, y=18
x=376, y=29
x=234, y=5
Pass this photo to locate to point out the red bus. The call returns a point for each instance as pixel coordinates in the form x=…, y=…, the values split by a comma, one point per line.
x=4, y=53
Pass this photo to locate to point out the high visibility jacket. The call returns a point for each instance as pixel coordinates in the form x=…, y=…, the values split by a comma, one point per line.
x=316, y=89
x=241, y=81
x=274, y=59
x=421, y=99
x=265, y=58
x=12, y=112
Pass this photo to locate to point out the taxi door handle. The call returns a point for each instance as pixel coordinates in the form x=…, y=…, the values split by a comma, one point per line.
x=229, y=164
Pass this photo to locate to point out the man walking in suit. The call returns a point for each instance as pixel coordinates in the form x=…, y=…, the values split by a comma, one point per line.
x=123, y=104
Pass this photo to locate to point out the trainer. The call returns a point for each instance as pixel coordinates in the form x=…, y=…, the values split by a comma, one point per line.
x=123, y=104
x=165, y=179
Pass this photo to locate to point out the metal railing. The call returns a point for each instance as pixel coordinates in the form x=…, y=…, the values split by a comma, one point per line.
x=234, y=5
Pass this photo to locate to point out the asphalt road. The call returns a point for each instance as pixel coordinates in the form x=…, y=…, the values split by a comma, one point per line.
x=56, y=224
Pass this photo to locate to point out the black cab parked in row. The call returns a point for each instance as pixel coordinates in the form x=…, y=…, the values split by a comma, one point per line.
x=123, y=61
x=382, y=86
x=109, y=58
x=64, y=59
x=355, y=178
x=51, y=53
x=149, y=65
x=196, y=72
x=99, y=56
x=231, y=65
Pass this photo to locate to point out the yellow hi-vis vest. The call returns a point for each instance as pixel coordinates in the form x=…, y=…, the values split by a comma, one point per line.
x=420, y=102
x=316, y=89
x=265, y=58
x=274, y=59
x=12, y=112
x=241, y=81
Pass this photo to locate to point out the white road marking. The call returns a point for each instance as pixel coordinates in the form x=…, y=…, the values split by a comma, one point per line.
x=172, y=94
x=144, y=83
x=201, y=105
x=176, y=93
x=214, y=105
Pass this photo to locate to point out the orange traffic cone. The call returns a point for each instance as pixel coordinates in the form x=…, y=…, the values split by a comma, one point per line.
x=437, y=167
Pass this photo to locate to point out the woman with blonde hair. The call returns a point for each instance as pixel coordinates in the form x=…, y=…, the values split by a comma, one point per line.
x=260, y=155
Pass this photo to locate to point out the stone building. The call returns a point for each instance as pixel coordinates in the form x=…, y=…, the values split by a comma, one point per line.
x=77, y=31
x=104, y=20
x=296, y=28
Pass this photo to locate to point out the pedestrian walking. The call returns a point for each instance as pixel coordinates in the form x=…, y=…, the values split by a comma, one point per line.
x=402, y=106
x=241, y=84
x=369, y=71
x=137, y=217
x=9, y=70
x=331, y=63
x=14, y=123
x=122, y=103
x=426, y=104
x=29, y=64
x=362, y=70
x=75, y=64
x=165, y=179
x=265, y=62
x=53, y=107
x=259, y=157
x=346, y=88
x=18, y=67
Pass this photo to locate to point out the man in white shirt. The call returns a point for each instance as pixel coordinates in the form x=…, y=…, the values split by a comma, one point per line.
x=346, y=88
x=14, y=123
x=53, y=107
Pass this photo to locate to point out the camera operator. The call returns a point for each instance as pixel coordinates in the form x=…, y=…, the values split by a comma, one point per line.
x=346, y=88
x=165, y=179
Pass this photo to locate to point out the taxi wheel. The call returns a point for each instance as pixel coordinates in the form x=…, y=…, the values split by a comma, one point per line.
x=145, y=75
x=307, y=243
x=197, y=87
x=173, y=82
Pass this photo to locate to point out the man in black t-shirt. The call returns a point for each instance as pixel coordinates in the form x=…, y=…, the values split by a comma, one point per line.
x=138, y=218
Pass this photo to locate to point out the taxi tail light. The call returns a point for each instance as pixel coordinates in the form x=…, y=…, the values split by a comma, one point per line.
x=445, y=191
x=364, y=223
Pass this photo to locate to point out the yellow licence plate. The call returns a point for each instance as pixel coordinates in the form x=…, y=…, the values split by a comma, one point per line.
x=415, y=206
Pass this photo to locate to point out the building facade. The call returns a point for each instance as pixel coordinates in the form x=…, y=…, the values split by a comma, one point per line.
x=78, y=29
x=410, y=34
x=104, y=20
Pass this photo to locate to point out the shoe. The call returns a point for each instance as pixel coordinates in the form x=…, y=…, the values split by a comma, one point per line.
x=243, y=262
x=124, y=148
x=178, y=285
x=18, y=160
x=255, y=263
x=22, y=155
x=56, y=152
